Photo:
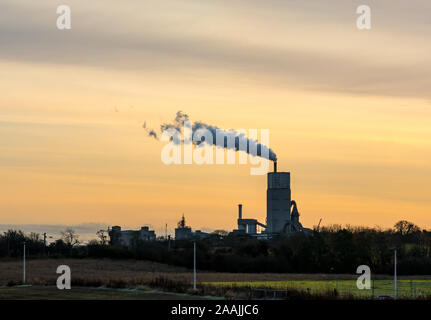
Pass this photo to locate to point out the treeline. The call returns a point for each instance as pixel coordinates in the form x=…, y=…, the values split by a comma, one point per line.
x=330, y=250
x=12, y=244
x=333, y=249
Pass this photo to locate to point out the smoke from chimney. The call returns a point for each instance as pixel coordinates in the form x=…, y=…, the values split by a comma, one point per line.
x=251, y=145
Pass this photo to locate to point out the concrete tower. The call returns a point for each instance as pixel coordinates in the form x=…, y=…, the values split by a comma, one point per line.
x=278, y=201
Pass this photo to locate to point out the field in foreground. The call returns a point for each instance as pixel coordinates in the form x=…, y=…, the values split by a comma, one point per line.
x=142, y=274
x=52, y=293
x=405, y=288
x=43, y=271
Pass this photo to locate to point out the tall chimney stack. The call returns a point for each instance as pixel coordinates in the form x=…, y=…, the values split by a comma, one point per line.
x=275, y=166
x=240, y=211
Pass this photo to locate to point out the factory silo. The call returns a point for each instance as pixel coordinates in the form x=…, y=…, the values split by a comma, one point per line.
x=278, y=201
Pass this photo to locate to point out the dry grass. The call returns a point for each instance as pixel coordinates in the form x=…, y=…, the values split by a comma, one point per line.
x=52, y=293
x=131, y=273
x=43, y=271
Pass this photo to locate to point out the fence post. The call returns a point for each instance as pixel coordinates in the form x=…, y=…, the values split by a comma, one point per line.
x=372, y=288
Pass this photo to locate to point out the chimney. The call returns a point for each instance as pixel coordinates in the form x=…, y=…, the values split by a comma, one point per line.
x=275, y=166
x=240, y=211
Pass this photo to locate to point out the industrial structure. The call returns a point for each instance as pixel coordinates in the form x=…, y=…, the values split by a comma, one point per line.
x=247, y=225
x=183, y=232
x=282, y=216
x=129, y=238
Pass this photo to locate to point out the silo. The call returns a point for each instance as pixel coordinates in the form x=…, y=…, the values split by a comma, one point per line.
x=278, y=201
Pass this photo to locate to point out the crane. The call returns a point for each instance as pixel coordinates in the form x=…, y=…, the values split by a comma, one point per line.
x=318, y=225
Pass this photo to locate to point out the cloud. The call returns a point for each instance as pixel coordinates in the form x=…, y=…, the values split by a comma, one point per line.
x=355, y=64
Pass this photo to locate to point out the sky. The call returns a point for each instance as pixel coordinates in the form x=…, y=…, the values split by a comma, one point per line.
x=348, y=110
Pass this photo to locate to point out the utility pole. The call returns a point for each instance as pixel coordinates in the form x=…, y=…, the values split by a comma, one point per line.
x=395, y=274
x=44, y=243
x=194, y=265
x=23, y=265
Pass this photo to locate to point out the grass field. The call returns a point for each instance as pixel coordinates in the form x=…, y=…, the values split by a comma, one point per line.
x=43, y=271
x=139, y=274
x=52, y=293
x=405, y=288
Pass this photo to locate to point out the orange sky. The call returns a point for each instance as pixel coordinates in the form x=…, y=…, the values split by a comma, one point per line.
x=348, y=110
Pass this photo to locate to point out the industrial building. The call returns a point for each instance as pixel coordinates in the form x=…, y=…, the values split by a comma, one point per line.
x=282, y=216
x=129, y=238
x=183, y=232
x=247, y=225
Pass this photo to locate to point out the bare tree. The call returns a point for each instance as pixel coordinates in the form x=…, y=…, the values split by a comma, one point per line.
x=69, y=237
x=405, y=227
x=103, y=238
